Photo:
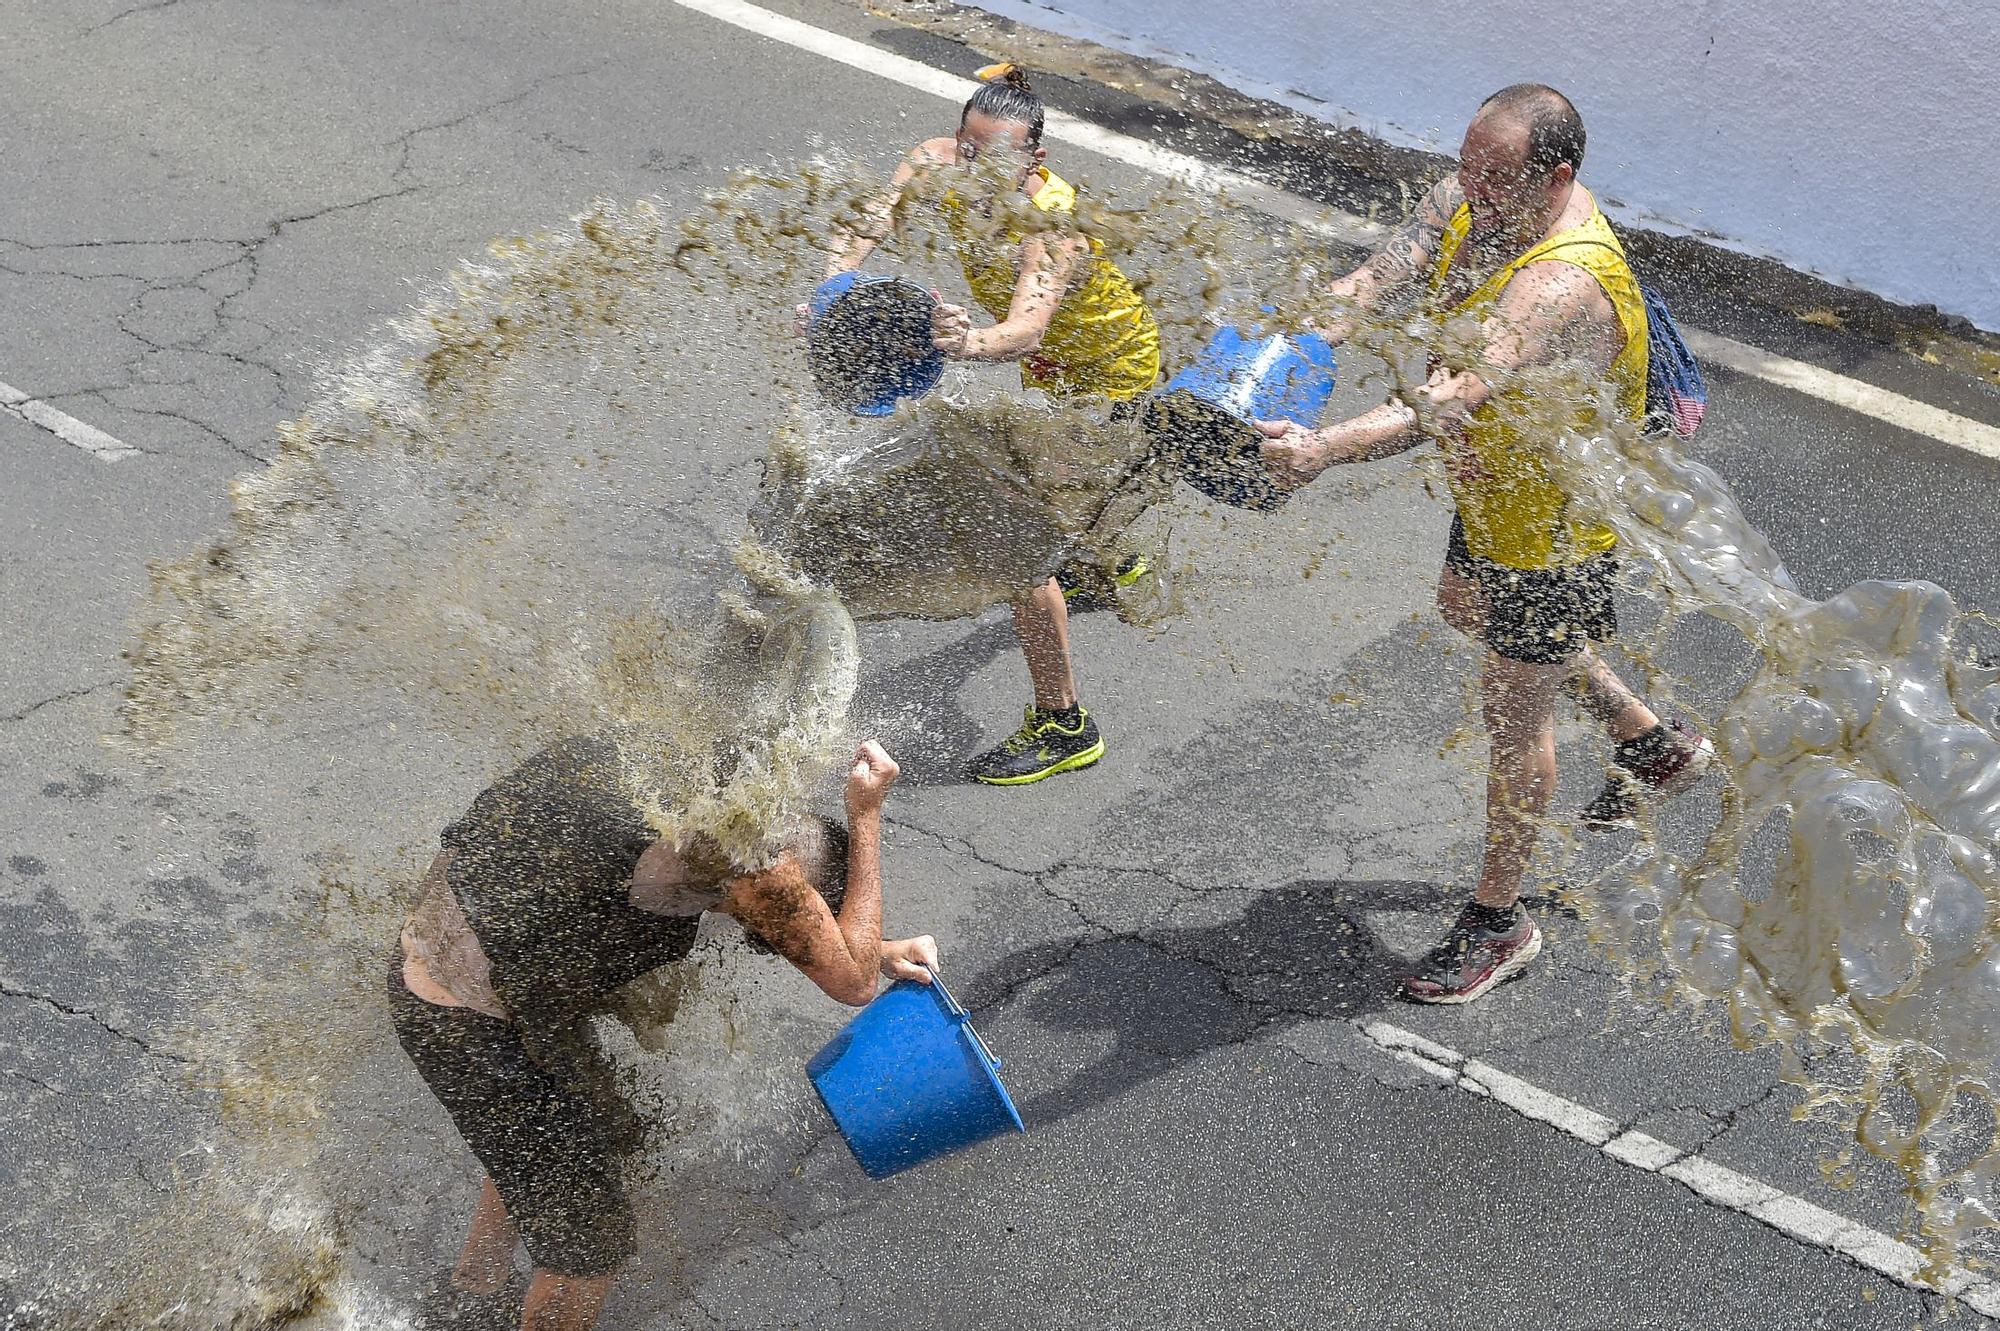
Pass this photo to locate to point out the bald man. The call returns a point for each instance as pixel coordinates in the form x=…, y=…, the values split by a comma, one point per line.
x=1515, y=241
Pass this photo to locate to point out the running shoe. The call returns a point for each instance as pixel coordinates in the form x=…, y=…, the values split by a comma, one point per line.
x=1044, y=745
x=1473, y=958
x=1653, y=768
x=1086, y=588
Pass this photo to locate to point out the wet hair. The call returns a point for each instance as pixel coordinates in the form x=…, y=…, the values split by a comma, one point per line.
x=1555, y=130
x=1004, y=94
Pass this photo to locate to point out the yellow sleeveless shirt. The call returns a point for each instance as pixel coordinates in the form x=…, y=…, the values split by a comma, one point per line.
x=1102, y=340
x=1514, y=513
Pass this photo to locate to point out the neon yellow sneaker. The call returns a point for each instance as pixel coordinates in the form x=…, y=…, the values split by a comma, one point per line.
x=1134, y=568
x=1085, y=589
x=1045, y=744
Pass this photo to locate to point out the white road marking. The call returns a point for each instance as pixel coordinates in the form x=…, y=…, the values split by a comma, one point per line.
x=1718, y=1184
x=1057, y=125
x=63, y=425
x=1865, y=399
x=1905, y=413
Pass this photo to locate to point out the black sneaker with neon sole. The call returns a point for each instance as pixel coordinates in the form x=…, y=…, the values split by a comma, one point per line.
x=1473, y=957
x=1086, y=588
x=1045, y=744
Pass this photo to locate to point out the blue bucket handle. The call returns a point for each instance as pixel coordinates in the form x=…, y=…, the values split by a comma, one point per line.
x=957, y=1012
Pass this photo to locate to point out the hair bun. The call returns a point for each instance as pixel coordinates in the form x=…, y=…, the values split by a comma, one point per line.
x=1006, y=72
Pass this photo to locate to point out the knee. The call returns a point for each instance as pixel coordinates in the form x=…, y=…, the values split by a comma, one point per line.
x=1519, y=717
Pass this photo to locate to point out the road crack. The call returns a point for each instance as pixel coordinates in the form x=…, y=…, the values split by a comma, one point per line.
x=8, y=989
x=69, y=696
x=124, y=14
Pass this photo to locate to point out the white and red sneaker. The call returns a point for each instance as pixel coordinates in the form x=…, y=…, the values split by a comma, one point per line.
x=1654, y=767
x=1474, y=957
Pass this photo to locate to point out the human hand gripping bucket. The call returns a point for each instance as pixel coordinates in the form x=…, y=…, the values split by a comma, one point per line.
x=868, y=342
x=1200, y=422
x=909, y=1080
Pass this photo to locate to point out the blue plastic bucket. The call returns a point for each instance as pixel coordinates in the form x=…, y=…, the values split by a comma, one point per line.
x=1201, y=419
x=868, y=342
x=909, y=1080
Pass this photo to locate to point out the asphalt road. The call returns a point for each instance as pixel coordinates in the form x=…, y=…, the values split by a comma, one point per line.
x=211, y=199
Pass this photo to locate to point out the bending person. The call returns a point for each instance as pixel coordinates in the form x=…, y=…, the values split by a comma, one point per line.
x=551, y=893
x=1515, y=241
x=1069, y=317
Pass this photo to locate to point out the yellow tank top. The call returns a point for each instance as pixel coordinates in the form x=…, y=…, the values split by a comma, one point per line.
x=1102, y=339
x=1514, y=513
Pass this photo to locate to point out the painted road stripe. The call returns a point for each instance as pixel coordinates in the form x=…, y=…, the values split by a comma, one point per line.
x=1724, y=1187
x=1058, y=125
x=64, y=426
x=1905, y=413
x=1865, y=399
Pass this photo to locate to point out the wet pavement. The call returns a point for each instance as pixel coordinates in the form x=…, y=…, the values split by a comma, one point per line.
x=214, y=197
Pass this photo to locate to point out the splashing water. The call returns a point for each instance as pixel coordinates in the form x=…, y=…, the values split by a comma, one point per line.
x=964, y=505
x=506, y=524
x=1866, y=731
x=504, y=518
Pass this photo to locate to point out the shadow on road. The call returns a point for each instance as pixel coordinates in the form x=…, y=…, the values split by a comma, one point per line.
x=1302, y=952
x=933, y=750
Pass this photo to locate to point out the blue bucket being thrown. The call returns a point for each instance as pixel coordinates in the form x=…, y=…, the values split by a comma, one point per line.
x=868, y=342
x=909, y=1080
x=1200, y=422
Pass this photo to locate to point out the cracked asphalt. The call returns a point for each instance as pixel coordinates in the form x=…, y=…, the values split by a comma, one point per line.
x=212, y=200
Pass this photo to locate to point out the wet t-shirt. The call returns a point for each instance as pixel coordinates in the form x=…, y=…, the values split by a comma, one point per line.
x=542, y=866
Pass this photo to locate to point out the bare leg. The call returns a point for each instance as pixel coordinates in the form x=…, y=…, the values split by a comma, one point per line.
x=1621, y=712
x=1041, y=622
x=488, y=1255
x=1519, y=702
x=558, y=1302
x=1462, y=603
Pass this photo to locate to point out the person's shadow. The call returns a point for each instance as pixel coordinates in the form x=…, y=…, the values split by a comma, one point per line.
x=913, y=707
x=1299, y=953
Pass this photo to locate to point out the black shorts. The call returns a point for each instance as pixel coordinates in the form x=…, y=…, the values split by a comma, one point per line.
x=1540, y=616
x=548, y=1148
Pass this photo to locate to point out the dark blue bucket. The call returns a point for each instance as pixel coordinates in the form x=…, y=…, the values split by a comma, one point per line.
x=1201, y=420
x=868, y=342
x=909, y=1080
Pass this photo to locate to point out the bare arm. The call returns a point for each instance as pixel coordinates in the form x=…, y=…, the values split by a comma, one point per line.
x=1542, y=316
x=841, y=954
x=875, y=220
x=1406, y=256
x=1048, y=262
x=1549, y=312
x=1295, y=455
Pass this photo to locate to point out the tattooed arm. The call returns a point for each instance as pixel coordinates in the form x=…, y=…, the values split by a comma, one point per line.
x=1548, y=313
x=1405, y=257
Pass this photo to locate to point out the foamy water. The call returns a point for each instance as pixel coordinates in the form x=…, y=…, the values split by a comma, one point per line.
x=1873, y=742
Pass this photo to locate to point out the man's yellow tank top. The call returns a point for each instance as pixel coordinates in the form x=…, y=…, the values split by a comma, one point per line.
x=1514, y=513
x=1102, y=340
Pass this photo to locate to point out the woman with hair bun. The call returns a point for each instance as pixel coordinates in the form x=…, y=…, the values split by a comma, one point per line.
x=1062, y=310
